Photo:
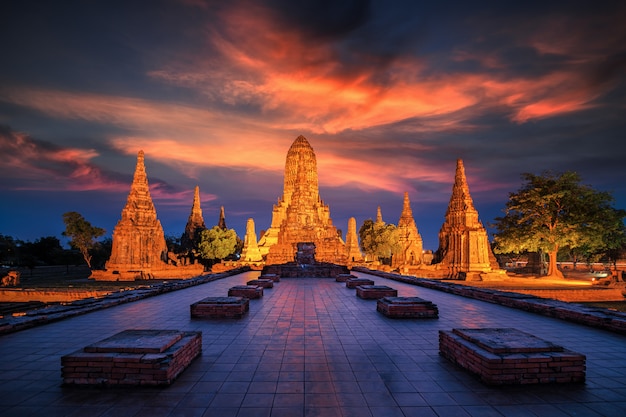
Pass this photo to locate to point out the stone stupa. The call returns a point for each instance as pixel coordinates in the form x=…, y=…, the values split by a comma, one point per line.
x=250, y=251
x=300, y=215
x=353, y=250
x=195, y=224
x=412, y=248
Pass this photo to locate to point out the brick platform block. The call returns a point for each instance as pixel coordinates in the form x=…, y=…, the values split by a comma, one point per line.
x=355, y=282
x=273, y=277
x=344, y=277
x=374, y=292
x=407, y=308
x=133, y=357
x=265, y=283
x=247, y=291
x=220, y=307
x=502, y=356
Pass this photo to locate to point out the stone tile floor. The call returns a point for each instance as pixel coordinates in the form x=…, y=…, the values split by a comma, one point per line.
x=309, y=347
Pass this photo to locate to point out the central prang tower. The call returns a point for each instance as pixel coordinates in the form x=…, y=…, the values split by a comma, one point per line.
x=300, y=215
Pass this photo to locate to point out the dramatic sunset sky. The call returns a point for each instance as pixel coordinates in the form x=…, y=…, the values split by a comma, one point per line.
x=389, y=93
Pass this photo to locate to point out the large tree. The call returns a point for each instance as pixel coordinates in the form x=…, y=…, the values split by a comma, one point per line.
x=217, y=243
x=379, y=240
x=81, y=233
x=554, y=211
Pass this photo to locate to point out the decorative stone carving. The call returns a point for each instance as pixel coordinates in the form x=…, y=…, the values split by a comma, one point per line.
x=139, y=250
x=409, y=238
x=353, y=251
x=300, y=215
x=464, y=249
x=250, y=251
x=195, y=224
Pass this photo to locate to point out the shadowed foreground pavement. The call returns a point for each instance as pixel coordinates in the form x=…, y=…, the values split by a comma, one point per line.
x=309, y=347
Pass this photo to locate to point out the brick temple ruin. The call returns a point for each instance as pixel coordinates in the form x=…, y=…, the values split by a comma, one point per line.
x=300, y=215
x=139, y=249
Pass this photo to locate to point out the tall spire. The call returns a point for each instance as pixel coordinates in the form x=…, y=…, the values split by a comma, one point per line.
x=222, y=221
x=195, y=223
x=379, y=215
x=409, y=238
x=352, y=243
x=463, y=243
x=250, y=251
x=138, y=239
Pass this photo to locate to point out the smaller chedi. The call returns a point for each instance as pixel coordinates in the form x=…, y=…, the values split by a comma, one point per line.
x=410, y=256
x=353, y=251
x=195, y=224
x=139, y=250
x=250, y=251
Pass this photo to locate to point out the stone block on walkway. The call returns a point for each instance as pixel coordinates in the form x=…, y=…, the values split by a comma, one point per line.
x=265, y=283
x=407, y=308
x=132, y=357
x=509, y=356
x=220, y=307
x=273, y=277
x=355, y=282
x=247, y=291
x=344, y=277
x=374, y=292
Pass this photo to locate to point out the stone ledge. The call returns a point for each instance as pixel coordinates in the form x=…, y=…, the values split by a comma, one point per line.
x=247, y=291
x=506, y=356
x=374, y=292
x=407, y=308
x=133, y=357
x=265, y=283
x=355, y=282
x=220, y=307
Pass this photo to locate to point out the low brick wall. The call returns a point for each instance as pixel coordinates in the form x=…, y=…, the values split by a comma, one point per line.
x=130, y=361
x=220, y=307
x=520, y=359
x=601, y=318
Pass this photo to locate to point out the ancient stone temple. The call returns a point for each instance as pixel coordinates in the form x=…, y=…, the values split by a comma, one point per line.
x=353, y=251
x=139, y=250
x=195, y=224
x=464, y=251
x=300, y=215
x=409, y=238
x=250, y=251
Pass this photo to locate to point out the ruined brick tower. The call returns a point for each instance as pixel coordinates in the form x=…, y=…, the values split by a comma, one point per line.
x=464, y=249
x=195, y=223
x=138, y=239
x=300, y=215
x=353, y=251
x=250, y=251
x=139, y=250
x=409, y=238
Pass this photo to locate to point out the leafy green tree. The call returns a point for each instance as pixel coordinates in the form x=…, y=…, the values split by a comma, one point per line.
x=217, y=243
x=81, y=233
x=379, y=240
x=554, y=211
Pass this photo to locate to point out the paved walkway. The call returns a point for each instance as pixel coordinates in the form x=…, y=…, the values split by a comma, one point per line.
x=309, y=347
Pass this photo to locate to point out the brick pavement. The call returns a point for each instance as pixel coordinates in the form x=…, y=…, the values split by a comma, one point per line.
x=309, y=347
